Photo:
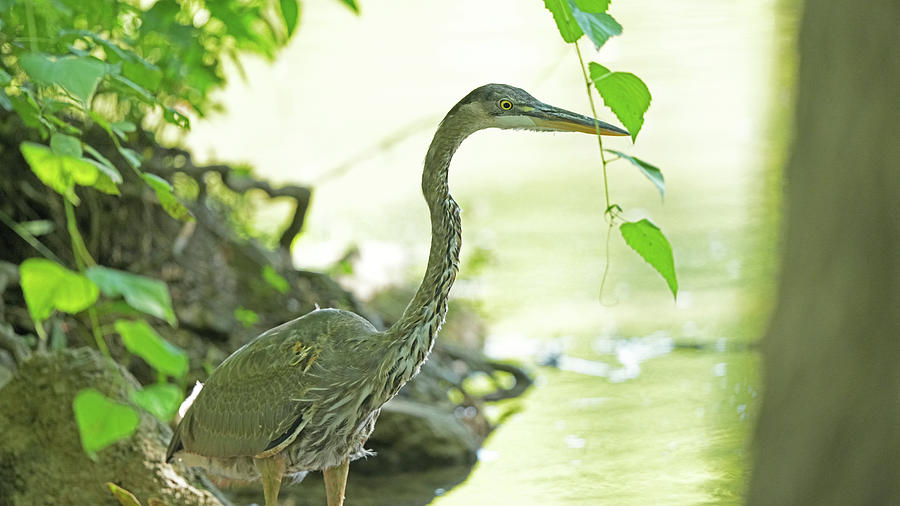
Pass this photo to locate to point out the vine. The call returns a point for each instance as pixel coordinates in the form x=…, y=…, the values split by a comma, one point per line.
x=629, y=98
x=123, y=69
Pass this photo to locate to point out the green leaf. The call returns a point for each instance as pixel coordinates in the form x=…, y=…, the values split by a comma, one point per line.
x=48, y=286
x=108, y=178
x=142, y=293
x=140, y=339
x=598, y=26
x=62, y=172
x=274, y=279
x=29, y=112
x=102, y=421
x=79, y=75
x=38, y=228
x=143, y=74
x=290, y=12
x=651, y=171
x=131, y=156
x=592, y=5
x=117, y=307
x=624, y=93
x=123, y=126
x=565, y=20
x=120, y=128
x=125, y=85
x=352, y=4
x=65, y=145
x=161, y=400
x=104, y=165
x=5, y=78
x=176, y=118
x=166, y=198
x=649, y=242
x=124, y=497
x=5, y=102
x=247, y=317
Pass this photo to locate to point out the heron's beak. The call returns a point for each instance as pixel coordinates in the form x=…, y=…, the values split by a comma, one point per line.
x=553, y=118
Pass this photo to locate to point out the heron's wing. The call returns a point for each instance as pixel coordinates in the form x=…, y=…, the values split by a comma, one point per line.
x=261, y=396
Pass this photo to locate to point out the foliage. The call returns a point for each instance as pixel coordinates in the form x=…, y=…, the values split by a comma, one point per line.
x=102, y=421
x=140, y=338
x=649, y=242
x=142, y=293
x=247, y=317
x=651, y=171
x=49, y=286
x=161, y=400
x=125, y=68
x=124, y=497
x=625, y=94
x=628, y=98
x=274, y=279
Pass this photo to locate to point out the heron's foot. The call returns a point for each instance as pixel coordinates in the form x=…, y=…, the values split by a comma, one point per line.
x=271, y=469
x=336, y=482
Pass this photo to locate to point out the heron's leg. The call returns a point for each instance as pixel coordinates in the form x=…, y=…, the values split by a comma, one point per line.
x=335, y=482
x=271, y=469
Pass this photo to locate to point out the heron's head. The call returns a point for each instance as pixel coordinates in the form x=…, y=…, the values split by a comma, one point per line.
x=504, y=106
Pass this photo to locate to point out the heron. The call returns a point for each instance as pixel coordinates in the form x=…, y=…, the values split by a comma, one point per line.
x=304, y=396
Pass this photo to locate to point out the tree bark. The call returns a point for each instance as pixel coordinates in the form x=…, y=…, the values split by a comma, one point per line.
x=829, y=428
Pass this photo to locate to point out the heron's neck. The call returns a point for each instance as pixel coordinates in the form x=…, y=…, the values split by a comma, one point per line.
x=413, y=335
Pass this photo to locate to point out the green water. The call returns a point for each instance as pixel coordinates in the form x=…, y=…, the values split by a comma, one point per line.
x=649, y=401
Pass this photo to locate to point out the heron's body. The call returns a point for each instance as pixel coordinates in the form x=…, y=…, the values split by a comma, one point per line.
x=304, y=396
x=234, y=419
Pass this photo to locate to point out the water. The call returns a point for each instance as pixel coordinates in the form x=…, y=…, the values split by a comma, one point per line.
x=643, y=400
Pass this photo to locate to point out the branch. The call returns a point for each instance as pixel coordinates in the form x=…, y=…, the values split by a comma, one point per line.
x=478, y=362
x=167, y=161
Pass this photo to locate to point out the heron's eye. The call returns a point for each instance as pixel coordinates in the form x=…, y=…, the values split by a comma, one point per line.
x=505, y=104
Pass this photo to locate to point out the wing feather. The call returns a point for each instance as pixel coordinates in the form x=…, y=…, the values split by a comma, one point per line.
x=260, y=398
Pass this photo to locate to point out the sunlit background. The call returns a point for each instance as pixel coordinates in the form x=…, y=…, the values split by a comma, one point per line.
x=647, y=400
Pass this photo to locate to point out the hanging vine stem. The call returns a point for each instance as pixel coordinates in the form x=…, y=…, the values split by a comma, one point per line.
x=82, y=257
x=612, y=210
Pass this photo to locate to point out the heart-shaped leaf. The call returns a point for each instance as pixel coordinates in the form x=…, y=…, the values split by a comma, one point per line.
x=48, y=286
x=597, y=25
x=166, y=198
x=624, y=93
x=649, y=242
x=565, y=20
x=102, y=421
x=161, y=400
x=65, y=145
x=651, y=171
x=143, y=341
x=142, y=293
x=62, y=172
x=592, y=5
x=79, y=75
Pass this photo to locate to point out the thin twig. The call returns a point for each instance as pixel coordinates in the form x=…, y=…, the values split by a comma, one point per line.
x=28, y=237
x=587, y=83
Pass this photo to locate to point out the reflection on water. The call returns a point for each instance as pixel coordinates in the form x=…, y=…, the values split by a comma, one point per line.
x=672, y=435
x=646, y=401
x=628, y=352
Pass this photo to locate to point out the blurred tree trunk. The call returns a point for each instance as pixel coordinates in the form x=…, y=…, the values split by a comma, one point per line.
x=829, y=429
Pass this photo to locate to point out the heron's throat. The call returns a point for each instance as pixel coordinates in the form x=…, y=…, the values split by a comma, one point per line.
x=413, y=335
